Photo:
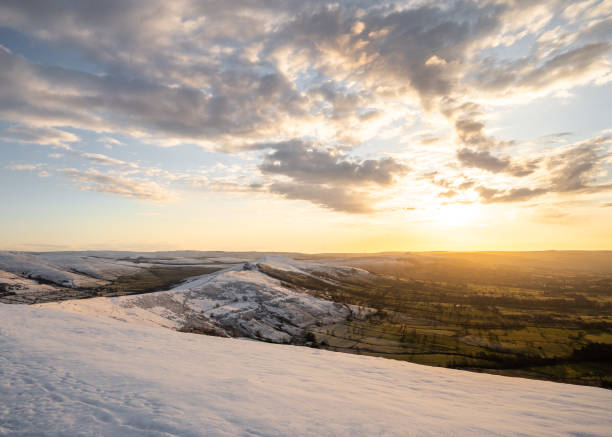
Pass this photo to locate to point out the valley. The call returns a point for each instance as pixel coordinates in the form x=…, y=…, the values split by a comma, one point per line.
x=536, y=315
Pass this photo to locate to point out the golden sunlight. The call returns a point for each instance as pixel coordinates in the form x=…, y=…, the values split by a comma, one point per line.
x=458, y=215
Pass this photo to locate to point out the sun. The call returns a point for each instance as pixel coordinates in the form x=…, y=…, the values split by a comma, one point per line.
x=458, y=215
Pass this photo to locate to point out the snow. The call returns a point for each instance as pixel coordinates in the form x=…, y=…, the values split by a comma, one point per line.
x=97, y=268
x=69, y=374
x=66, y=269
x=19, y=285
x=280, y=262
x=234, y=301
x=33, y=267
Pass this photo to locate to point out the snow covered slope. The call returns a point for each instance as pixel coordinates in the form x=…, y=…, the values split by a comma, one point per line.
x=247, y=300
x=95, y=268
x=28, y=277
x=68, y=374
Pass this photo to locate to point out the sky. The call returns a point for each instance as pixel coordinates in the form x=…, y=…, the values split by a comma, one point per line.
x=352, y=126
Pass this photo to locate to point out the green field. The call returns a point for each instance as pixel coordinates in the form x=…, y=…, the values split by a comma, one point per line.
x=561, y=333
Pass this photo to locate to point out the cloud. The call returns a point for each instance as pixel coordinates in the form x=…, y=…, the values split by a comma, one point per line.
x=326, y=177
x=227, y=73
x=485, y=161
x=47, y=136
x=335, y=198
x=448, y=194
x=23, y=166
x=558, y=135
x=92, y=180
x=99, y=158
x=574, y=169
x=234, y=76
x=575, y=66
x=30, y=167
x=244, y=105
x=489, y=195
x=304, y=163
x=111, y=141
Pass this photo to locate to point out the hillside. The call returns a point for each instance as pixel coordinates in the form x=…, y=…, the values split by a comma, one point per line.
x=265, y=300
x=545, y=315
x=72, y=374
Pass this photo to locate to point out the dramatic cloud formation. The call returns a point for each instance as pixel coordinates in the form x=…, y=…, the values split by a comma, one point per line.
x=331, y=103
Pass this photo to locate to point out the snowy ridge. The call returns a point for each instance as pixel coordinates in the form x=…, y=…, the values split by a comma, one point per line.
x=67, y=269
x=36, y=274
x=68, y=374
x=239, y=301
x=30, y=266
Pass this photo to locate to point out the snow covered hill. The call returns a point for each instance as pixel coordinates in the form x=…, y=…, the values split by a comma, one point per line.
x=247, y=300
x=91, y=268
x=68, y=374
x=28, y=277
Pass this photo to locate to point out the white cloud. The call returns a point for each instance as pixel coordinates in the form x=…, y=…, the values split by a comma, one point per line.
x=92, y=180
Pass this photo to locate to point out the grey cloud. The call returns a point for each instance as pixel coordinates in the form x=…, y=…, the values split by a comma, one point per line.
x=485, y=161
x=325, y=177
x=124, y=37
x=334, y=198
x=343, y=103
x=558, y=135
x=574, y=169
x=399, y=42
x=206, y=70
x=469, y=129
x=566, y=65
x=246, y=105
x=304, y=163
x=529, y=74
